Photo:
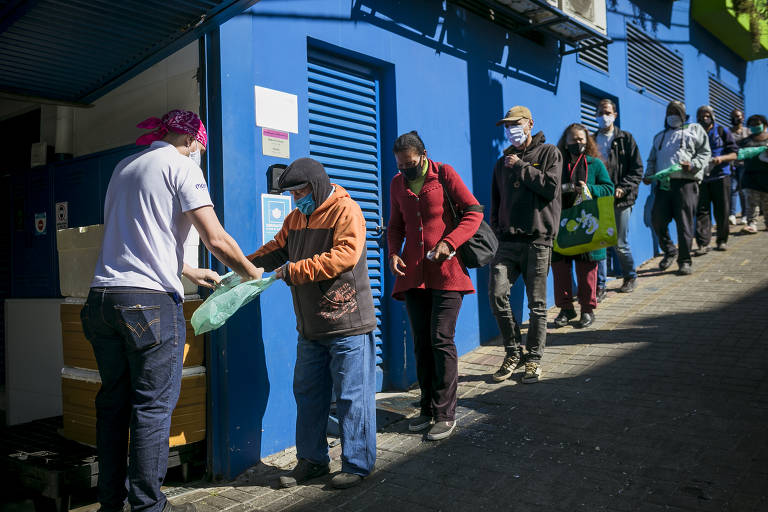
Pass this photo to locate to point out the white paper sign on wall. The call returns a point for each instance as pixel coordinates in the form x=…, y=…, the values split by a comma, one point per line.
x=276, y=109
x=62, y=215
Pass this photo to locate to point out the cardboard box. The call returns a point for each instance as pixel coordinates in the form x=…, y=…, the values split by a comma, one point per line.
x=78, y=250
x=78, y=352
x=79, y=388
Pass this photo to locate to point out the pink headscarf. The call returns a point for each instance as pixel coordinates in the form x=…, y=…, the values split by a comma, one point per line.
x=180, y=121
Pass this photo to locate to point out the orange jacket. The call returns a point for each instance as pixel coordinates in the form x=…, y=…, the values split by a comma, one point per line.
x=327, y=268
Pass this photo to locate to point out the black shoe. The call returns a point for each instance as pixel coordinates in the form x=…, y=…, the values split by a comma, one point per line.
x=441, y=430
x=303, y=471
x=510, y=364
x=721, y=246
x=565, y=316
x=629, y=285
x=419, y=423
x=184, y=507
x=701, y=251
x=345, y=480
x=586, y=319
x=667, y=261
x=685, y=269
x=600, y=294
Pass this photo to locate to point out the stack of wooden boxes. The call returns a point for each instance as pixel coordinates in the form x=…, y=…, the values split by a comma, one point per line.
x=80, y=379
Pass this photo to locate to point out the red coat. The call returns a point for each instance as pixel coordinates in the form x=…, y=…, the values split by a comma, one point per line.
x=423, y=221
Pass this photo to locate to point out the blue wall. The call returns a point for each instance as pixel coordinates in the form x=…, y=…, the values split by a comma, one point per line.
x=450, y=75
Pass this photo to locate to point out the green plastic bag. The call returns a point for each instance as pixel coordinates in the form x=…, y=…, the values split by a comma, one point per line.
x=230, y=296
x=747, y=153
x=586, y=227
x=663, y=175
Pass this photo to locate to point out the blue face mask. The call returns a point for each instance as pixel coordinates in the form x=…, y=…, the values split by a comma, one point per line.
x=306, y=204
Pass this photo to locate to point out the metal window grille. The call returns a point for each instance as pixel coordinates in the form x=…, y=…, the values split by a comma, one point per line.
x=723, y=100
x=596, y=57
x=344, y=137
x=589, y=110
x=653, y=68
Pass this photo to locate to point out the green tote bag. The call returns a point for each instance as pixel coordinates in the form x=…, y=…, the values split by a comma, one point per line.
x=586, y=227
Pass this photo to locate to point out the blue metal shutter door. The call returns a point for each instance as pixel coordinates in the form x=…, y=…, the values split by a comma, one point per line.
x=344, y=137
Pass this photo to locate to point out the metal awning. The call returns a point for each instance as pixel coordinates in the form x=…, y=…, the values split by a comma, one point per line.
x=74, y=51
x=539, y=16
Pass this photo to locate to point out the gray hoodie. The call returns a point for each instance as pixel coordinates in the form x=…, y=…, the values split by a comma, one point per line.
x=688, y=143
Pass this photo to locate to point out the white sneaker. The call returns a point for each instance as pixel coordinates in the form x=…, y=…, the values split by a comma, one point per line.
x=732, y=220
x=743, y=220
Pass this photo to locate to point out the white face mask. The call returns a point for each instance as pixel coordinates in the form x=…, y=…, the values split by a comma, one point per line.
x=196, y=155
x=674, y=121
x=516, y=135
x=605, y=121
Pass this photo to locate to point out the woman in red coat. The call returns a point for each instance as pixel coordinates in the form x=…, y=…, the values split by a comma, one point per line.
x=429, y=275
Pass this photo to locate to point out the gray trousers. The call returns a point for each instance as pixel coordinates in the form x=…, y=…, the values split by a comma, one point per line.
x=531, y=261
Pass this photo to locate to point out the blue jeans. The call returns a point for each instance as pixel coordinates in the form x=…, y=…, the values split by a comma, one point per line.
x=138, y=339
x=622, y=249
x=345, y=366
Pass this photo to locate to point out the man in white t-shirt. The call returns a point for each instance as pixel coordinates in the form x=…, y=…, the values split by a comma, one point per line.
x=133, y=316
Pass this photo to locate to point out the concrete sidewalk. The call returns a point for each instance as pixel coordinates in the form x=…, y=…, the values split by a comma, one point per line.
x=661, y=405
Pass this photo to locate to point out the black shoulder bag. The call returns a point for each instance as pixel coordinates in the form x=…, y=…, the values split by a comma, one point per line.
x=480, y=249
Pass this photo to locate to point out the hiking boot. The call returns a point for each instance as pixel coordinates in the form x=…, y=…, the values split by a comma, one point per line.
x=532, y=372
x=701, y=251
x=628, y=286
x=565, y=316
x=587, y=319
x=721, y=246
x=419, y=423
x=685, y=269
x=441, y=430
x=510, y=364
x=345, y=480
x=667, y=261
x=601, y=294
x=303, y=471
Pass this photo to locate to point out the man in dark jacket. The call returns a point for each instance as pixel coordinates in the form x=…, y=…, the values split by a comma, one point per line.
x=715, y=189
x=625, y=166
x=320, y=254
x=525, y=213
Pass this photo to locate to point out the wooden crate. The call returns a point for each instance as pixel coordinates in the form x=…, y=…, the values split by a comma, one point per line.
x=79, y=354
x=79, y=388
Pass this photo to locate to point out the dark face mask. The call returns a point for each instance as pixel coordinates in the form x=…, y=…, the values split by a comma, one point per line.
x=576, y=148
x=412, y=173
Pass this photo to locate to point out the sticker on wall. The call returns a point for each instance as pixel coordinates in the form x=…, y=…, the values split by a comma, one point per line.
x=275, y=143
x=276, y=109
x=62, y=215
x=41, y=224
x=274, y=210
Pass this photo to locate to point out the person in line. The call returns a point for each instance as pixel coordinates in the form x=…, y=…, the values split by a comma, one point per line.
x=715, y=188
x=429, y=276
x=525, y=212
x=739, y=132
x=582, y=169
x=133, y=315
x=320, y=253
x=625, y=167
x=676, y=196
x=755, y=177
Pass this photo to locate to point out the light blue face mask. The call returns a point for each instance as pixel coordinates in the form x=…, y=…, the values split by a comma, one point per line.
x=306, y=204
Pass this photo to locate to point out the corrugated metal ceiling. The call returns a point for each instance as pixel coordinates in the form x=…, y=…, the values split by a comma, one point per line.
x=77, y=50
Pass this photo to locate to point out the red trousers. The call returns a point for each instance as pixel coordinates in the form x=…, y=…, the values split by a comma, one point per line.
x=586, y=277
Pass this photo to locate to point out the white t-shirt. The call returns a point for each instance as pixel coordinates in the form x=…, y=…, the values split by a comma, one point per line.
x=144, y=222
x=604, y=143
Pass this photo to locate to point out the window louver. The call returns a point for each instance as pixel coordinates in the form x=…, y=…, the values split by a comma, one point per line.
x=596, y=57
x=652, y=68
x=723, y=100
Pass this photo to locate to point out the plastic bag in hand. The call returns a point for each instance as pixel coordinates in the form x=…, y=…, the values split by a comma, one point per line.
x=230, y=296
x=747, y=153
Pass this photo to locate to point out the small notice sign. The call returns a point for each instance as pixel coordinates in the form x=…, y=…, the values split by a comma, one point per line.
x=62, y=215
x=41, y=224
x=275, y=143
x=274, y=210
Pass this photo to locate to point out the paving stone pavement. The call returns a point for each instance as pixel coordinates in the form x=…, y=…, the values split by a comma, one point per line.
x=661, y=405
